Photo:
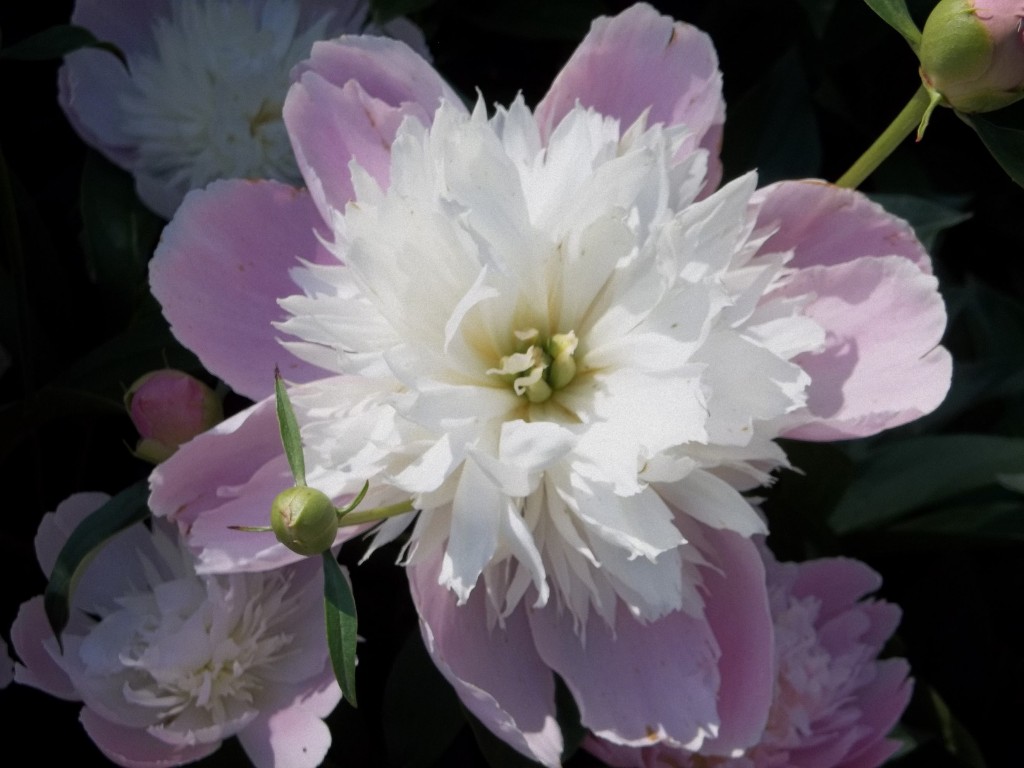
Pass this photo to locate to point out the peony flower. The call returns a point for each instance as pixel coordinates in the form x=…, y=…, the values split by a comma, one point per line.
x=834, y=702
x=168, y=663
x=201, y=96
x=553, y=333
x=168, y=408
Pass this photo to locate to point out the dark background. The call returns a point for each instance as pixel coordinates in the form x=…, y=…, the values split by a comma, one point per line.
x=808, y=84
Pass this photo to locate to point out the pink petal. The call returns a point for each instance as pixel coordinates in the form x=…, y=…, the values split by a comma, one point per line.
x=681, y=677
x=294, y=735
x=882, y=365
x=838, y=582
x=29, y=632
x=346, y=104
x=737, y=609
x=642, y=60
x=219, y=270
x=91, y=82
x=135, y=748
x=495, y=672
x=825, y=225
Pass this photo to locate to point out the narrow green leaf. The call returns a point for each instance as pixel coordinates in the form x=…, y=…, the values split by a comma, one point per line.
x=290, y=437
x=899, y=478
x=956, y=738
x=340, y=613
x=982, y=524
x=125, y=509
x=422, y=715
x=58, y=41
x=895, y=14
x=1004, y=142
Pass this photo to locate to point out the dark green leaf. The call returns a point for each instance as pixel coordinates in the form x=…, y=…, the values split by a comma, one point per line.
x=895, y=14
x=422, y=715
x=340, y=613
x=385, y=10
x=773, y=128
x=928, y=217
x=1005, y=142
x=290, y=437
x=957, y=739
x=899, y=478
x=58, y=41
x=993, y=522
x=125, y=509
x=118, y=232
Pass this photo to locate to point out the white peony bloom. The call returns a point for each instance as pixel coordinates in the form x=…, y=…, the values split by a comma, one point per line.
x=169, y=663
x=558, y=347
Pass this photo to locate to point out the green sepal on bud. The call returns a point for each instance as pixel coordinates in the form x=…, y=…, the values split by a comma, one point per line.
x=304, y=520
x=972, y=54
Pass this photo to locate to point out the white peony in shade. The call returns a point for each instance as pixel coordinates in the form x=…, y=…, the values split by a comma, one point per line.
x=572, y=351
x=201, y=96
x=168, y=663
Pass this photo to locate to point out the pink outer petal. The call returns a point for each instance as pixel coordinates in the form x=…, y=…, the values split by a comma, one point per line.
x=496, y=672
x=90, y=82
x=681, y=677
x=294, y=734
x=135, y=748
x=346, y=104
x=642, y=60
x=219, y=270
x=824, y=225
x=837, y=582
x=228, y=476
x=882, y=365
x=737, y=609
x=29, y=632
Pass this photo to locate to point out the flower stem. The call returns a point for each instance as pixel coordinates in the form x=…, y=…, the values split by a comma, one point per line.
x=375, y=514
x=906, y=121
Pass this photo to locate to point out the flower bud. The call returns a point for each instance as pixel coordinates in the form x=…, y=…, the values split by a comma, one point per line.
x=972, y=53
x=304, y=520
x=169, y=408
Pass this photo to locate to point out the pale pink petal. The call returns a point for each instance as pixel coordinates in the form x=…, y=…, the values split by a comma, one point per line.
x=219, y=270
x=295, y=734
x=881, y=702
x=30, y=633
x=135, y=748
x=347, y=102
x=644, y=668
x=495, y=672
x=642, y=60
x=882, y=365
x=91, y=82
x=680, y=678
x=737, y=609
x=824, y=224
x=54, y=529
x=837, y=582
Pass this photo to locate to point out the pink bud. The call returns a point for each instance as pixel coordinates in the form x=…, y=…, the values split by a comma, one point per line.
x=972, y=53
x=169, y=408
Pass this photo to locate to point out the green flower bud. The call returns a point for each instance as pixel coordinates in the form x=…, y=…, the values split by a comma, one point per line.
x=972, y=53
x=304, y=520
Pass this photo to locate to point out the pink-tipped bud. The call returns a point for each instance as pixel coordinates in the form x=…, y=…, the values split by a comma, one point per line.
x=169, y=408
x=972, y=53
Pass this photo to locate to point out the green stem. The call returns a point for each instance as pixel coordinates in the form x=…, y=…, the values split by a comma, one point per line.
x=904, y=124
x=375, y=514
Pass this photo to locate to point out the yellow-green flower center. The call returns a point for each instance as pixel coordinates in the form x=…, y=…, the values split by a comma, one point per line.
x=539, y=367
